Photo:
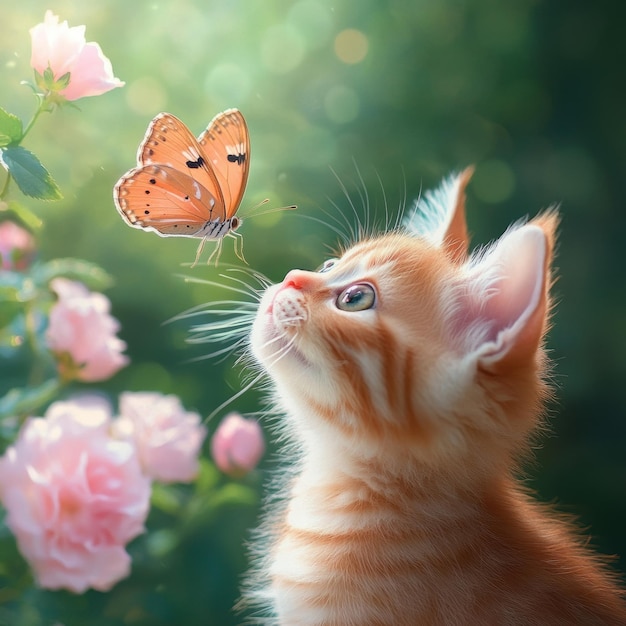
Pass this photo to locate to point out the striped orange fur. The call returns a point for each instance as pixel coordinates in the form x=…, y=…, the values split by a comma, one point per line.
x=411, y=399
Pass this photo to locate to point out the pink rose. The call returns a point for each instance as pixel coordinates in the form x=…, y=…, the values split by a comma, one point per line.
x=64, y=50
x=17, y=247
x=74, y=496
x=82, y=333
x=168, y=438
x=237, y=445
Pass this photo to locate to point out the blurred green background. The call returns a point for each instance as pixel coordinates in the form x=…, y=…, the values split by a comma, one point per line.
x=530, y=91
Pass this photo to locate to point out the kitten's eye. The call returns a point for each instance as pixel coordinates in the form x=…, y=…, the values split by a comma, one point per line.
x=357, y=297
x=327, y=265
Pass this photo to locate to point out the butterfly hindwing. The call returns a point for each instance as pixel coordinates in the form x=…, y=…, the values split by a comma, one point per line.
x=166, y=201
x=226, y=143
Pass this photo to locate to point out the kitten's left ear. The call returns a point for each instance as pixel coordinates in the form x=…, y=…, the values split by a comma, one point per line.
x=439, y=216
x=503, y=304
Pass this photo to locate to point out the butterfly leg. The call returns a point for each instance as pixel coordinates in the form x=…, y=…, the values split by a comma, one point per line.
x=238, y=245
x=216, y=252
x=199, y=251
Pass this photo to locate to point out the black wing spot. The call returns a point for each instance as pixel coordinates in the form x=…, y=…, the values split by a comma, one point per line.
x=194, y=165
x=146, y=212
x=147, y=192
x=186, y=197
x=237, y=158
x=152, y=181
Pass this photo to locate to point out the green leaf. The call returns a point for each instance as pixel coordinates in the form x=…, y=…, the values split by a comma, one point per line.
x=48, y=76
x=76, y=269
x=28, y=401
x=10, y=128
x=165, y=498
x=16, y=287
x=31, y=176
x=62, y=82
x=25, y=215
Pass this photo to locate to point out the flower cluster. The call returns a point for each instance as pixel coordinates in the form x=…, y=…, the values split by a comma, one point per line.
x=76, y=484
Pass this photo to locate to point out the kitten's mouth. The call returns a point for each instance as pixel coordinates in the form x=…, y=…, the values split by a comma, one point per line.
x=287, y=307
x=283, y=311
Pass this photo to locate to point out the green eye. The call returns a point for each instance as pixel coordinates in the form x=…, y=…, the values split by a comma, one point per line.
x=327, y=265
x=357, y=297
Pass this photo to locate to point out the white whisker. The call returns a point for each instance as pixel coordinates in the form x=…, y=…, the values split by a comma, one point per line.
x=227, y=350
x=263, y=280
x=277, y=356
x=253, y=292
x=212, y=283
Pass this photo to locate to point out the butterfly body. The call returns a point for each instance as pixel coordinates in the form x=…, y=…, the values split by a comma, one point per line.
x=187, y=187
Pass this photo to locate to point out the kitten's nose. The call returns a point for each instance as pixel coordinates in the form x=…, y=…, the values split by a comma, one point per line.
x=297, y=279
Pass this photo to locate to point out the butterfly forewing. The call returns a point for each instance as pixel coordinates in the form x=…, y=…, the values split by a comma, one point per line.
x=226, y=143
x=168, y=141
x=165, y=200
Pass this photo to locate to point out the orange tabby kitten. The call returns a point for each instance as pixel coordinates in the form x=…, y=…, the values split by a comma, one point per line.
x=413, y=376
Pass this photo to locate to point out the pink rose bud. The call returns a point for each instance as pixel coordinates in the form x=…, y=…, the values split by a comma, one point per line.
x=167, y=437
x=82, y=333
x=237, y=445
x=17, y=247
x=74, y=496
x=65, y=51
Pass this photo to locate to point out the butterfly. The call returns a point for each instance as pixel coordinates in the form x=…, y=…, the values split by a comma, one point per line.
x=188, y=187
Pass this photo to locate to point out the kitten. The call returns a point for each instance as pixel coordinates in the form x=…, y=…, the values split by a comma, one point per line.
x=413, y=377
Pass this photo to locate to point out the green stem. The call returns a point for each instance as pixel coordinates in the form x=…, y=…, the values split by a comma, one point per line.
x=37, y=372
x=5, y=187
x=43, y=106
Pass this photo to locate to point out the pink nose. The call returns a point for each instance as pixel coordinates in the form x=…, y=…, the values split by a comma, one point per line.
x=297, y=279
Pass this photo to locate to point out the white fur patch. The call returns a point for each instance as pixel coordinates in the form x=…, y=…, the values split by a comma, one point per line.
x=433, y=211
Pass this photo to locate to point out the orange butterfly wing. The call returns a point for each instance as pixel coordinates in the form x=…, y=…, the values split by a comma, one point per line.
x=226, y=142
x=180, y=183
x=165, y=200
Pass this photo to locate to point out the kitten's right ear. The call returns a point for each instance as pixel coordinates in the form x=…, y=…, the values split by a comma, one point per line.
x=503, y=302
x=439, y=216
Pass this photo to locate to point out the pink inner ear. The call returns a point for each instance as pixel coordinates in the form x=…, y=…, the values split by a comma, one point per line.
x=507, y=298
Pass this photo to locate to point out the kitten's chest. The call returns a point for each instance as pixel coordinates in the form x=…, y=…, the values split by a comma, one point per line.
x=345, y=557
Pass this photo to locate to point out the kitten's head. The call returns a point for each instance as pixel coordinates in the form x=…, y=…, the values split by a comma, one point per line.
x=406, y=343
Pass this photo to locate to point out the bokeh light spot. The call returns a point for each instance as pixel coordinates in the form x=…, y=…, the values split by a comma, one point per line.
x=341, y=104
x=314, y=22
x=228, y=83
x=351, y=46
x=493, y=182
x=145, y=95
x=282, y=48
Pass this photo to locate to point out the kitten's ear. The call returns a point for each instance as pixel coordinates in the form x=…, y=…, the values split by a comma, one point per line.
x=439, y=216
x=504, y=303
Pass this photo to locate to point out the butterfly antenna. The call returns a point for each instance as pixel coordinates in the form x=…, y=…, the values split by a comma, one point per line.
x=291, y=207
